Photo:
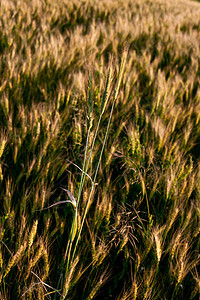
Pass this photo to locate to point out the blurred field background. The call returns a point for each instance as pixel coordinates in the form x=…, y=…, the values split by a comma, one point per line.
x=140, y=236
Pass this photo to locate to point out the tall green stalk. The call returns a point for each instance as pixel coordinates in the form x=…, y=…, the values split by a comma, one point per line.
x=86, y=165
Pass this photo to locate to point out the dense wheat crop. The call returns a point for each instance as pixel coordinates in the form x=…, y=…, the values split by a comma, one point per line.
x=101, y=99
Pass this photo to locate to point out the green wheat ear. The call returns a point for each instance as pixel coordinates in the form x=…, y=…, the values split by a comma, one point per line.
x=74, y=224
x=107, y=91
x=89, y=105
x=74, y=227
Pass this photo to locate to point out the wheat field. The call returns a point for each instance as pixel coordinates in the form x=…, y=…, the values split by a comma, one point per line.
x=100, y=149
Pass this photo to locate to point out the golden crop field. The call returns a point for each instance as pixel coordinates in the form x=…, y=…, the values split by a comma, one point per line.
x=100, y=149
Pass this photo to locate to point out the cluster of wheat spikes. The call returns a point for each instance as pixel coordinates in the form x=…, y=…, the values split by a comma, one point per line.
x=99, y=159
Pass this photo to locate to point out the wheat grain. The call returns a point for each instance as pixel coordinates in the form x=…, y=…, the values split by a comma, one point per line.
x=32, y=234
x=14, y=260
